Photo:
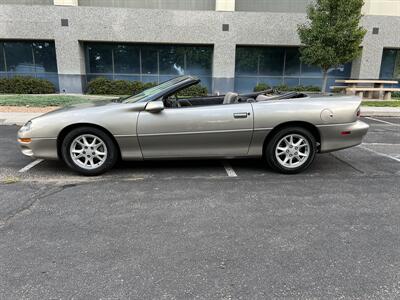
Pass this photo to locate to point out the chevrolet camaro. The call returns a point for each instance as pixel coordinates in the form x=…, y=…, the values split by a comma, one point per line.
x=285, y=130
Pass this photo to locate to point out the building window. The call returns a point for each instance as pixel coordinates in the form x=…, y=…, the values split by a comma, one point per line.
x=148, y=63
x=279, y=65
x=390, y=66
x=29, y=58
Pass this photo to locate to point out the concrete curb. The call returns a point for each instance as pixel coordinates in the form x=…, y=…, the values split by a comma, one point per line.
x=380, y=111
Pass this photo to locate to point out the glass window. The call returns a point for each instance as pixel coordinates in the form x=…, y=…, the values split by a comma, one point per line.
x=341, y=71
x=289, y=81
x=247, y=59
x=198, y=60
x=149, y=60
x=390, y=66
x=271, y=61
x=279, y=65
x=292, y=63
x=172, y=60
x=309, y=70
x=2, y=62
x=100, y=58
x=148, y=63
x=45, y=57
x=126, y=59
x=19, y=57
x=311, y=81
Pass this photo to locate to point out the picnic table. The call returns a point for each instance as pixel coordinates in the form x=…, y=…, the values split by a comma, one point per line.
x=375, y=88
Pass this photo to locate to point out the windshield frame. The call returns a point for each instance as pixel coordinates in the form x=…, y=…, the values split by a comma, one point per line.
x=166, y=87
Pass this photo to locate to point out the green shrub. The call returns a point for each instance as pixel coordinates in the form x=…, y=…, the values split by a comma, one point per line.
x=104, y=86
x=196, y=90
x=285, y=88
x=261, y=87
x=396, y=95
x=312, y=88
x=26, y=85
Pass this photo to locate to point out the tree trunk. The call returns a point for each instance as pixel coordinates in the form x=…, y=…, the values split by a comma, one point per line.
x=325, y=80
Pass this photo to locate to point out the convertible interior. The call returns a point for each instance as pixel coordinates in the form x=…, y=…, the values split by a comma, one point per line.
x=174, y=101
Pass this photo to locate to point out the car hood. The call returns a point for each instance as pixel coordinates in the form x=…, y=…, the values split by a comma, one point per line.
x=92, y=105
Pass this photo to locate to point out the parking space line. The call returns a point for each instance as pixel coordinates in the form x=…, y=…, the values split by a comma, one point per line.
x=380, y=154
x=229, y=170
x=30, y=165
x=380, y=144
x=382, y=121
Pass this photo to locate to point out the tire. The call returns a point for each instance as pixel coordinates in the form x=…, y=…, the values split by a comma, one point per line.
x=301, y=149
x=89, y=151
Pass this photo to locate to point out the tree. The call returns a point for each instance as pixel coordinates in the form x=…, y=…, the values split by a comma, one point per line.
x=332, y=35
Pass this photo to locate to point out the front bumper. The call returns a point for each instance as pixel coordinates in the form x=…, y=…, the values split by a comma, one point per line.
x=341, y=136
x=39, y=148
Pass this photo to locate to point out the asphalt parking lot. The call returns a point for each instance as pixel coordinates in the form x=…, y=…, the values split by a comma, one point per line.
x=204, y=229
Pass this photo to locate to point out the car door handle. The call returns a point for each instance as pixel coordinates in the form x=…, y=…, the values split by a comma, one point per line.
x=241, y=115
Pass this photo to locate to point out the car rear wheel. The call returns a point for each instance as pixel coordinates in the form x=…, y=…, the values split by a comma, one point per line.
x=291, y=150
x=89, y=151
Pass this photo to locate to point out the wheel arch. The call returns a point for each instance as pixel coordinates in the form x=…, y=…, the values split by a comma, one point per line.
x=306, y=125
x=63, y=133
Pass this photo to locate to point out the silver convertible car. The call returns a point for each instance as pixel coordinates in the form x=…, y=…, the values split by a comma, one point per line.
x=285, y=130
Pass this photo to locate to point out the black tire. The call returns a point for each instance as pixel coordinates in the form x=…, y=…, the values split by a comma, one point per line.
x=110, y=158
x=272, y=160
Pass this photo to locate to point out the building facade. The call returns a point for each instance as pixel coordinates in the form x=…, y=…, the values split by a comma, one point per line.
x=228, y=44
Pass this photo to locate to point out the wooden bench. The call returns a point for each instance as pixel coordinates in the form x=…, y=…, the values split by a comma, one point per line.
x=377, y=90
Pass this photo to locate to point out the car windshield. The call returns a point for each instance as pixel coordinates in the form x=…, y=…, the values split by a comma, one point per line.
x=154, y=90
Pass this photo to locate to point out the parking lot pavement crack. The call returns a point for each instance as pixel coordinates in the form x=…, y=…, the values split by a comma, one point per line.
x=28, y=204
x=347, y=164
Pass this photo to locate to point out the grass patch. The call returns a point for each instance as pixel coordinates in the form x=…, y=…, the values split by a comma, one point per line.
x=10, y=180
x=47, y=100
x=391, y=103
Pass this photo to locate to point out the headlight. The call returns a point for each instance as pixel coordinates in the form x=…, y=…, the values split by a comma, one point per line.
x=26, y=127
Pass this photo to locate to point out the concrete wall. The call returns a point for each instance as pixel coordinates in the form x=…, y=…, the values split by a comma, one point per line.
x=382, y=7
x=175, y=26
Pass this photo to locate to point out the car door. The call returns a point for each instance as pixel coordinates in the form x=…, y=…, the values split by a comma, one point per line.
x=202, y=131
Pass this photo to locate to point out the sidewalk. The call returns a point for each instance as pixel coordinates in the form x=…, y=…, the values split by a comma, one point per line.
x=20, y=118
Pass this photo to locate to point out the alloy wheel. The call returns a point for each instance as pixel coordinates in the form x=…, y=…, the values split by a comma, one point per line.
x=88, y=151
x=292, y=151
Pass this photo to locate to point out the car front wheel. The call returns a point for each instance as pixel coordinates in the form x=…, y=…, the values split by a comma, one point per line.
x=89, y=151
x=291, y=150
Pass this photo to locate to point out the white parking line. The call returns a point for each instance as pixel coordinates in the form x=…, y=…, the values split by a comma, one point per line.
x=382, y=121
x=380, y=154
x=380, y=144
x=229, y=170
x=30, y=165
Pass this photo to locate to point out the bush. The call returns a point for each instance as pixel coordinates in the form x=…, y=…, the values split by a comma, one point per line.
x=396, y=95
x=261, y=87
x=104, y=86
x=285, y=88
x=26, y=85
x=196, y=90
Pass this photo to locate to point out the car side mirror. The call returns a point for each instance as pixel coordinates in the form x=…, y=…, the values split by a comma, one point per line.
x=155, y=106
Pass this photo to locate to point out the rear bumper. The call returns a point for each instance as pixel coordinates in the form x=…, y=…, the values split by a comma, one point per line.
x=341, y=136
x=40, y=148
